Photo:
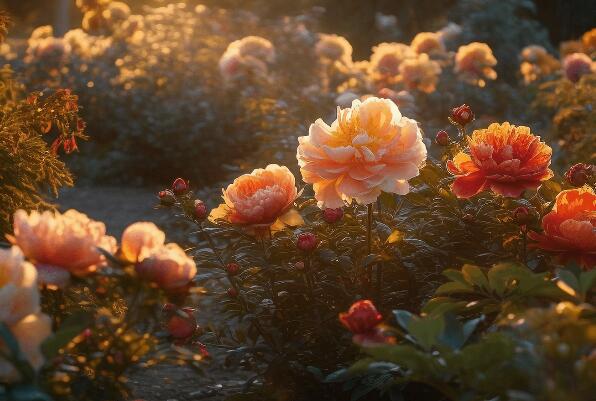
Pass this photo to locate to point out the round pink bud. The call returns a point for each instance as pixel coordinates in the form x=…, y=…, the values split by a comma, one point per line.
x=333, y=215
x=200, y=210
x=442, y=138
x=307, y=242
x=179, y=186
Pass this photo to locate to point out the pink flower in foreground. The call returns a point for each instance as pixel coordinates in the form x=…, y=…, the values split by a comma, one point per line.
x=19, y=295
x=168, y=266
x=370, y=148
x=504, y=158
x=61, y=243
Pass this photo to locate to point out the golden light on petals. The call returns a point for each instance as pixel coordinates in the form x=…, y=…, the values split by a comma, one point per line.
x=474, y=62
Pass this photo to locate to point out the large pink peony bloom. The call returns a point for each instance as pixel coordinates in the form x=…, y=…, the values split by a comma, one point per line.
x=139, y=240
x=570, y=228
x=504, y=158
x=370, y=148
x=261, y=199
x=167, y=266
x=58, y=243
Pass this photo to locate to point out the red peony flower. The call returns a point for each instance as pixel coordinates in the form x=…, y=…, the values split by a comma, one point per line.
x=570, y=228
x=362, y=318
x=306, y=242
x=503, y=158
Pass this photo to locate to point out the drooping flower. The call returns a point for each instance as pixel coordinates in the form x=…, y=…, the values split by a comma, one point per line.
x=334, y=48
x=168, y=266
x=420, y=73
x=569, y=229
x=369, y=148
x=386, y=59
x=139, y=240
x=60, y=243
x=427, y=42
x=503, y=158
x=260, y=200
x=19, y=295
x=250, y=55
x=577, y=65
x=474, y=62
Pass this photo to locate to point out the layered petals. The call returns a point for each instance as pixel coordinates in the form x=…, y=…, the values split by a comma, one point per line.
x=168, y=266
x=139, y=240
x=503, y=158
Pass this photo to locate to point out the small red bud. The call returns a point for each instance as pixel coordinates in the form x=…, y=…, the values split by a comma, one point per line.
x=468, y=218
x=232, y=269
x=580, y=174
x=462, y=115
x=442, y=138
x=307, y=242
x=200, y=210
x=299, y=265
x=168, y=308
x=333, y=215
x=232, y=292
x=166, y=198
x=179, y=186
x=522, y=216
x=182, y=324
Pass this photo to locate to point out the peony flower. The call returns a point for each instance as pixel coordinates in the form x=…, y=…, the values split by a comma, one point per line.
x=370, y=148
x=19, y=295
x=576, y=65
x=580, y=174
x=569, y=229
x=346, y=98
x=504, y=158
x=536, y=63
x=167, y=266
x=249, y=55
x=30, y=333
x=589, y=41
x=420, y=73
x=260, y=200
x=428, y=42
x=361, y=318
x=59, y=243
x=386, y=59
x=474, y=62
x=334, y=48
x=139, y=240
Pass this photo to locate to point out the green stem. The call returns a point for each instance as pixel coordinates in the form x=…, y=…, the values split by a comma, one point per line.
x=369, y=224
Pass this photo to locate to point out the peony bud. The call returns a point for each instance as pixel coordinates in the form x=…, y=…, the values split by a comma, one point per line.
x=299, y=265
x=182, y=324
x=200, y=210
x=232, y=269
x=442, y=138
x=168, y=308
x=166, y=198
x=232, y=292
x=580, y=174
x=522, y=216
x=333, y=215
x=179, y=186
x=307, y=242
x=462, y=115
x=362, y=317
x=468, y=218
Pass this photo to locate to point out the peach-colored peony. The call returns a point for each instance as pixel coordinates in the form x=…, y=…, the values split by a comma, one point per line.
x=427, y=42
x=334, y=48
x=386, y=59
x=420, y=73
x=503, y=158
x=168, y=266
x=139, y=240
x=570, y=227
x=577, y=65
x=30, y=333
x=537, y=63
x=474, y=62
x=250, y=55
x=116, y=12
x=261, y=199
x=61, y=242
x=370, y=148
x=589, y=41
x=19, y=295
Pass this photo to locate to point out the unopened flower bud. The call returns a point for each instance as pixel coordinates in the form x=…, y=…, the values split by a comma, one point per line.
x=442, y=138
x=232, y=269
x=522, y=216
x=462, y=115
x=307, y=242
x=333, y=215
x=580, y=174
x=166, y=198
x=200, y=210
x=179, y=186
x=299, y=265
x=182, y=324
x=232, y=292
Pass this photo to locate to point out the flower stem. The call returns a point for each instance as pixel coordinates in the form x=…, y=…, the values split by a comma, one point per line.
x=369, y=223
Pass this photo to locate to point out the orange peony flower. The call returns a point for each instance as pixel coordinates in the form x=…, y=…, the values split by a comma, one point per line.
x=58, y=243
x=370, y=148
x=260, y=200
x=570, y=227
x=249, y=55
x=167, y=266
x=504, y=158
x=537, y=63
x=428, y=42
x=420, y=73
x=386, y=59
x=334, y=48
x=139, y=240
x=589, y=41
x=474, y=62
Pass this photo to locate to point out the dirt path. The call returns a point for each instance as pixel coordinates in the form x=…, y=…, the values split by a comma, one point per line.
x=119, y=207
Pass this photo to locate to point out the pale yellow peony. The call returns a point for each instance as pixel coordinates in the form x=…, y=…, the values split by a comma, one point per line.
x=334, y=48
x=58, y=243
x=474, y=62
x=369, y=148
x=139, y=240
x=19, y=295
x=428, y=42
x=420, y=73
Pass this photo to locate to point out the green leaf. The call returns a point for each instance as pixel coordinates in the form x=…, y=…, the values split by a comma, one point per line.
x=569, y=278
x=474, y=275
x=454, y=275
x=587, y=281
x=427, y=330
x=70, y=328
x=453, y=288
x=372, y=259
x=402, y=317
